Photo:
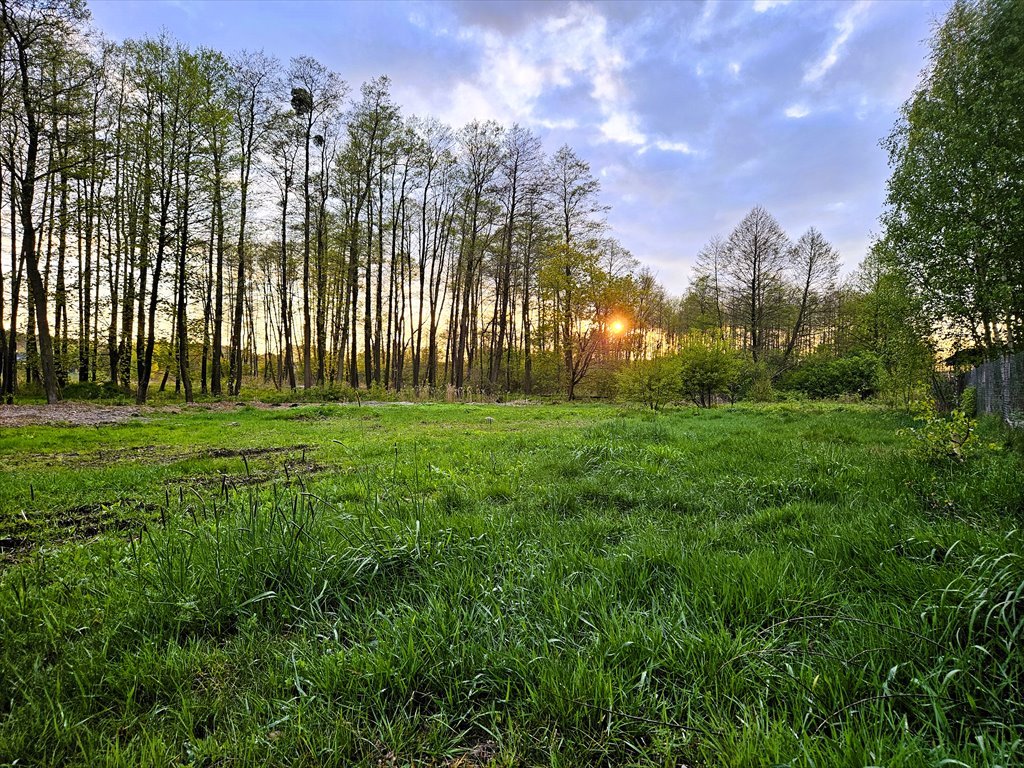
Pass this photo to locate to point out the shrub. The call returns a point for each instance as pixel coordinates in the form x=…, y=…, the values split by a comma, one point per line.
x=90, y=390
x=969, y=401
x=821, y=376
x=707, y=370
x=941, y=438
x=651, y=382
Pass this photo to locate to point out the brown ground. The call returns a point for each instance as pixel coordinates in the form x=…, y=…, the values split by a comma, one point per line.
x=73, y=414
x=88, y=415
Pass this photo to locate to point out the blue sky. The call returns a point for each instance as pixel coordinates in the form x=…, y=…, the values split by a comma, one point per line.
x=689, y=113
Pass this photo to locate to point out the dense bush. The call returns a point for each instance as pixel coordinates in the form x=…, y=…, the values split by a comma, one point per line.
x=651, y=382
x=822, y=376
x=707, y=370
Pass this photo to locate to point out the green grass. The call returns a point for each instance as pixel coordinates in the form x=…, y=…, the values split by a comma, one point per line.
x=510, y=586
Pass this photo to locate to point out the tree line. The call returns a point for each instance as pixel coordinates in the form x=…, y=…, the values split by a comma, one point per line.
x=208, y=216
x=213, y=218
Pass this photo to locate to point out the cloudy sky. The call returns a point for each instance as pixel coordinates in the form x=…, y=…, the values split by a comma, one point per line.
x=690, y=113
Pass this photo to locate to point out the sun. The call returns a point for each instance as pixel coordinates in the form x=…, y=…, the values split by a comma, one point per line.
x=617, y=326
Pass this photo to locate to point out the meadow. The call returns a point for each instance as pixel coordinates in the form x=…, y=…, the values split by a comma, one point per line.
x=517, y=585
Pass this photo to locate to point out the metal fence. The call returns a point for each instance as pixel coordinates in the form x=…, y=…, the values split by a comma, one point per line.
x=999, y=386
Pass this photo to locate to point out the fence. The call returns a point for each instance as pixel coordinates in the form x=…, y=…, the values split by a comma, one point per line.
x=999, y=385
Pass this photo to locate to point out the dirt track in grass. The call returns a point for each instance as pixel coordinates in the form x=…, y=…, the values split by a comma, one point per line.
x=88, y=415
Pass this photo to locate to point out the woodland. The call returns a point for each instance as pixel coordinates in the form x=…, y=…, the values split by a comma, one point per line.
x=207, y=219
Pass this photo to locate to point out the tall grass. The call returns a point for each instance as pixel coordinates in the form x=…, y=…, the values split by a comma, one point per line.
x=645, y=592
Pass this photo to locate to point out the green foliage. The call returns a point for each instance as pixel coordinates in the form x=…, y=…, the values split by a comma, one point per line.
x=652, y=382
x=969, y=402
x=825, y=376
x=546, y=372
x=754, y=383
x=90, y=390
x=940, y=438
x=956, y=194
x=708, y=369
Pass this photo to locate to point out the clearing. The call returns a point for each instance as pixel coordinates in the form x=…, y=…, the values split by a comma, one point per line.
x=466, y=585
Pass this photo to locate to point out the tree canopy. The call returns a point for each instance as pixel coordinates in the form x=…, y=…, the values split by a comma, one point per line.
x=954, y=222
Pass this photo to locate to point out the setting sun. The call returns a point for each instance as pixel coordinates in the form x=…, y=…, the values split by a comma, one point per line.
x=617, y=326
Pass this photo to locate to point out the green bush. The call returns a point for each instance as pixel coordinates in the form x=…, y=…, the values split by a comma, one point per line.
x=707, y=370
x=941, y=438
x=90, y=390
x=969, y=401
x=651, y=382
x=821, y=376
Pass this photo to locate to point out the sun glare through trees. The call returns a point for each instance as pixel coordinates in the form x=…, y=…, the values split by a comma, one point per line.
x=501, y=384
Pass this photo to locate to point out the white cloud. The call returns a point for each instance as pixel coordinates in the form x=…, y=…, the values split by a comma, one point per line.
x=796, y=111
x=760, y=6
x=846, y=26
x=622, y=127
x=565, y=124
x=735, y=67
x=469, y=102
x=674, y=146
x=570, y=50
x=516, y=71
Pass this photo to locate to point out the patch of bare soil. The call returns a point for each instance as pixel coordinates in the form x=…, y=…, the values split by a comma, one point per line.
x=21, y=535
x=157, y=455
x=72, y=414
x=66, y=414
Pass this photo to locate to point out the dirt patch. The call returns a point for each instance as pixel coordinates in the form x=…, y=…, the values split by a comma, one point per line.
x=72, y=414
x=67, y=414
x=224, y=453
x=22, y=535
x=286, y=474
x=155, y=455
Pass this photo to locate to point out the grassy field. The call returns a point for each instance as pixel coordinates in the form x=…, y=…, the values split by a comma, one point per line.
x=510, y=586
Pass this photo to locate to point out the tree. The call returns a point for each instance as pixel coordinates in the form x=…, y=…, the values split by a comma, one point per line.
x=316, y=92
x=254, y=81
x=754, y=272
x=955, y=198
x=520, y=170
x=880, y=314
x=37, y=31
x=481, y=145
x=815, y=266
x=707, y=287
x=573, y=274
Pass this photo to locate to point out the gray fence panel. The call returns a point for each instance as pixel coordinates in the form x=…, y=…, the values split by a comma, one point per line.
x=999, y=385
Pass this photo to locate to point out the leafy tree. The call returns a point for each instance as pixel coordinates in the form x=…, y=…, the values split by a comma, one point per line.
x=316, y=92
x=754, y=272
x=573, y=274
x=955, y=199
x=705, y=302
x=881, y=314
x=815, y=264
x=38, y=32
x=253, y=83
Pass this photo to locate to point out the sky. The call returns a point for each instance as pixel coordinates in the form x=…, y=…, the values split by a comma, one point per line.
x=689, y=113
